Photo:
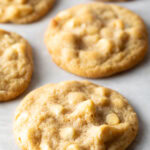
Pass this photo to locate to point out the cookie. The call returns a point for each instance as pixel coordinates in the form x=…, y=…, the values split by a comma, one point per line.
x=23, y=11
x=75, y=115
x=96, y=40
x=113, y=0
x=15, y=63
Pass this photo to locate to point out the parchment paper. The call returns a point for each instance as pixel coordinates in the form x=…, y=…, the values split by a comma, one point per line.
x=133, y=84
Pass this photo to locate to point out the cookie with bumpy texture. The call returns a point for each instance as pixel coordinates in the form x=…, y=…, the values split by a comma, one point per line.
x=23, y=11
x=96, y=40
x=15, y=65
x=75, y=115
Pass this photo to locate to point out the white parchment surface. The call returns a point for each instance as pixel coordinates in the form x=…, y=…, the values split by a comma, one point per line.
x=133, y=84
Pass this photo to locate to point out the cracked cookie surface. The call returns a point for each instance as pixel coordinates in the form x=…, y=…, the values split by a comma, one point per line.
x=96, y=40
x=15, y=65
x=75, y=115
x=23, y=11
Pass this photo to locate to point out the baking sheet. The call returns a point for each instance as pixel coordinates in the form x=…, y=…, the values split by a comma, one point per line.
x=133, y=84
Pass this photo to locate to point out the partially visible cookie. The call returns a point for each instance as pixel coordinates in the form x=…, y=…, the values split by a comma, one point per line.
x=15, y=65
x=113, y=0
x=97, y=39
x=23, y=11
x=75, y=115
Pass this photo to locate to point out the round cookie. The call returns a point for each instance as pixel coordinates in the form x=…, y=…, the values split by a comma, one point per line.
x=96, y=40
x=23, y=11
x=75, y=115
x=15, y=65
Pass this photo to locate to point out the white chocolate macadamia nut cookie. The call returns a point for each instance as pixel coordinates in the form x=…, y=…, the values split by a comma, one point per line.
x=75, y=115
x=23, y=11
x=16, y=65
x=96, y=40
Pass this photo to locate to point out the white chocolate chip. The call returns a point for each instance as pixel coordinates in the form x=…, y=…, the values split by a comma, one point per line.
x=11, y=12
x=105, y=46
x=68, y=54
x=21, y=1
x=44, y=146
x=103, y=101
x=73, y=147
x=84, y=110
x=23, y=117
x=64, y=14
x=102, y=91
x=112, y=119
x=107, y=133
x=56, y=109
x=118, y=103
x=67, y=133
x=72, y=23
x=85, y=107
x=118, y=24
x=75, y=97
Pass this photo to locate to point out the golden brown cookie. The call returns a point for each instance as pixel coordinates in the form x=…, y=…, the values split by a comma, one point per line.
x=23, y=11
x=96, y=40
x=15, y=65
x=75, y=115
